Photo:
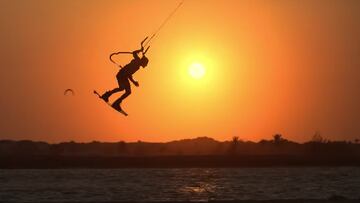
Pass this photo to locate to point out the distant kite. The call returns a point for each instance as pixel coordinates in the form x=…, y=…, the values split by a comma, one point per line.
x=69, y=92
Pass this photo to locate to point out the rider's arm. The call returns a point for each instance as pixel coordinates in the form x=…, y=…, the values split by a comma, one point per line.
x=133, y=81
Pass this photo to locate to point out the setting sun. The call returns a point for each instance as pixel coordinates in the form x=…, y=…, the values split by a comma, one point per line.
x=197, y=70
x=254, y=69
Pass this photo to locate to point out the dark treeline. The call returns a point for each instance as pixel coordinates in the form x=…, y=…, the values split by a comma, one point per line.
x=317, y=146
x=199, y=152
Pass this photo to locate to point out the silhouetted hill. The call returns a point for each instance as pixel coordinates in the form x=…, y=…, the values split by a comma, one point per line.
x=186, y=147
x=198, y=152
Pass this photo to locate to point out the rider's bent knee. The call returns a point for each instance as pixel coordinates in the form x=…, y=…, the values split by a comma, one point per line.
x=128, y=91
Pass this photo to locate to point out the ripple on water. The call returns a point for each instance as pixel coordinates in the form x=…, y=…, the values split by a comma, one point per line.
x=178, y=184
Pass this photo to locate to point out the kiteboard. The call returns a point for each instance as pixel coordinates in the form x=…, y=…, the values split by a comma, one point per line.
x=120, y=111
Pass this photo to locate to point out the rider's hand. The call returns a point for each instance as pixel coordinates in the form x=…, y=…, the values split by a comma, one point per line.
x=136, y=83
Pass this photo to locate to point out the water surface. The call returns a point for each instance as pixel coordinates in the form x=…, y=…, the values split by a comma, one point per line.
x=178, y=184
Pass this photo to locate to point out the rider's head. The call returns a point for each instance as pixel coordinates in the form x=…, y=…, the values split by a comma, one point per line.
x=144, y=61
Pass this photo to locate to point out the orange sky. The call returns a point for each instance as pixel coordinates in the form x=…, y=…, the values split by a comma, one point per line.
x=289, y=67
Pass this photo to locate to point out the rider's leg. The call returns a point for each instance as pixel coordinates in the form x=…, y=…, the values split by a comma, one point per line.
x=117, y=103
x=107, y=94
x=121, y=81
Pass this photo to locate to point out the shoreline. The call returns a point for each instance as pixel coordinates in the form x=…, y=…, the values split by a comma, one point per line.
x=214, y=201
x=208, y=161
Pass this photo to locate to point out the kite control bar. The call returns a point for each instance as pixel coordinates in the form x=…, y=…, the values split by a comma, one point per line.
x=147, y=40
x=142, y=46
x=128, y=52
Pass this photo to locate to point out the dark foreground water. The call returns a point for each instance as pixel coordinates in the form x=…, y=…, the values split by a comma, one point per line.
x=178, y=184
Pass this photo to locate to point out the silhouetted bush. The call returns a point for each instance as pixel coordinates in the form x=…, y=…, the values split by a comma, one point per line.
x=234, y=145
x=278, y=138
x=199, y=146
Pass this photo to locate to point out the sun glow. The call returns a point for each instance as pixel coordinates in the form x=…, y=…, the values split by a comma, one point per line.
x=197, y=70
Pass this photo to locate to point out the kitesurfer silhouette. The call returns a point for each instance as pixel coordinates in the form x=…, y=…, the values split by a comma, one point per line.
x=124, y=75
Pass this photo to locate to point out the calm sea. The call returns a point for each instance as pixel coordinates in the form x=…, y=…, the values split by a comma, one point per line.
x=178, y=184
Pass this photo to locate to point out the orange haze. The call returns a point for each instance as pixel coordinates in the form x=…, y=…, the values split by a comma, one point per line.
x=289, y=67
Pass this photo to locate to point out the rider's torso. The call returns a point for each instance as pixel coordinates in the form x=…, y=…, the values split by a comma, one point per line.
x=129, y=69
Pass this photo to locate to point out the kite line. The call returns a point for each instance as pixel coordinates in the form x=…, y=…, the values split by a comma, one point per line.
x=147, y=40
x=164, y=23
